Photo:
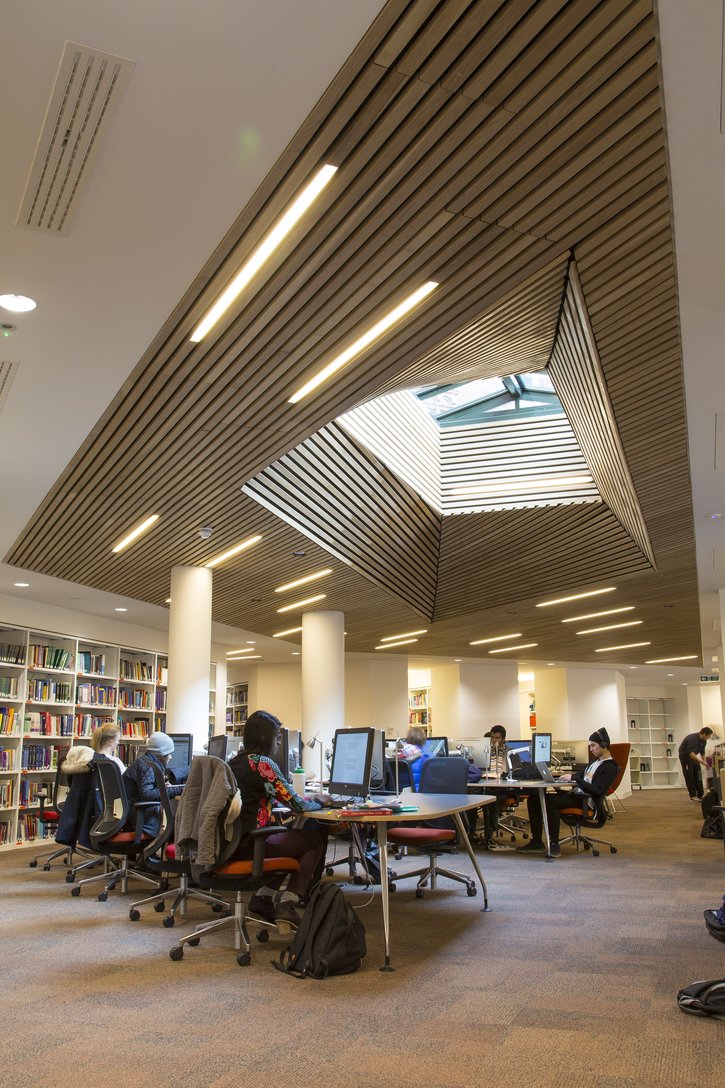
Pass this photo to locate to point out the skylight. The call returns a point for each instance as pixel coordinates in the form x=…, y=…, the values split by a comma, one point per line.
x=483, y=398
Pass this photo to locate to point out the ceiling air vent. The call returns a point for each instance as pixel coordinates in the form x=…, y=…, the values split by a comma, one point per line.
x=87, y=89
x=7, y=373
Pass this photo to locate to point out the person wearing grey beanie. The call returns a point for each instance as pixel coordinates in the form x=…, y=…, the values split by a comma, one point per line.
x=140, y=782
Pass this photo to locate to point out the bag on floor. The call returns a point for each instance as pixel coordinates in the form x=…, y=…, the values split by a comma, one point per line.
x=710, y=804
x=715, y=922
x=330, y=939
x=712, y=827
x=704, y=999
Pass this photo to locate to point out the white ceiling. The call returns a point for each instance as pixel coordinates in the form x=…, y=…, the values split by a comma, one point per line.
x=217, y=91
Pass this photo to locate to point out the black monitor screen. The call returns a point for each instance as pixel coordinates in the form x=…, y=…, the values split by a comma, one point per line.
x=224, y=746
x=541, y=748
x=288, y=756
x=436, y=746
x=351, y=761
x=183, y=749
x=377, y=766
x=519, y=748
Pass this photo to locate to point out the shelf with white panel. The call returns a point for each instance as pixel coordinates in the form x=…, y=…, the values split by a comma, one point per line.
x=651, y=727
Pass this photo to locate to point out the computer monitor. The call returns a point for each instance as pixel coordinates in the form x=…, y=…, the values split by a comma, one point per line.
x=377, y=766
x=289, y=751
x=183, y=749
x=224, y=746
x=436, y=746
x=541, y=748
x=352, y=757
x=478, y=750
x=519, y=751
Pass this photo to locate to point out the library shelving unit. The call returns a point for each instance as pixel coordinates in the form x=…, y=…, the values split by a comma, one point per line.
x=653, y=758
x=237, y=707
x=419, y=708
x=55, y=690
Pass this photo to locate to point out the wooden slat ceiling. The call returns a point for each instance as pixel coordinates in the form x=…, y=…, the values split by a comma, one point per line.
x=479, y=144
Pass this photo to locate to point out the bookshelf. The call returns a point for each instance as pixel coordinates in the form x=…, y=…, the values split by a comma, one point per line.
x=653, y=759
x=55, y=691
x=237, y=707
x=419, y=708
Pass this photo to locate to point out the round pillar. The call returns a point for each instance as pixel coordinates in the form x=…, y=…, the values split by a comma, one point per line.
x=187, y=708
x=323, y=681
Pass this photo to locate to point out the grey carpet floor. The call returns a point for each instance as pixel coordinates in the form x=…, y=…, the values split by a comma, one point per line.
x=571, y=977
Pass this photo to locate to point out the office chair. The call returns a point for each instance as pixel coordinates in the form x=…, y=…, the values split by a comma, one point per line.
x=508, y=822
x=620, y=755
x=446, y=774
x=50, y=818
x=576, y=820
x=240, y=877
x=159, y=858
x=109, y=837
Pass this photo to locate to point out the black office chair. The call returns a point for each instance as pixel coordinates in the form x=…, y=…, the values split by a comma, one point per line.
x=159, y=858
x=122, y=848
x=239, y=877
x=446, y=774
x=50, y=818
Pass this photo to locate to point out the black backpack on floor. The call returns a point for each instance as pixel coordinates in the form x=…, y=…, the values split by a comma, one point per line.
x=704, y=998
x=330, y=939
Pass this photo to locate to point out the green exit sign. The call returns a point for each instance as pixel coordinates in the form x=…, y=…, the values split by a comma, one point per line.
x=706, y=679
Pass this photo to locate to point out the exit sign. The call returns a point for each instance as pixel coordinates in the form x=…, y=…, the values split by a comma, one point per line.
x=706, y=679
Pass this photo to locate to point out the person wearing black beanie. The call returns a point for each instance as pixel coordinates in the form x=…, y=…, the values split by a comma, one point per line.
x=591, y=787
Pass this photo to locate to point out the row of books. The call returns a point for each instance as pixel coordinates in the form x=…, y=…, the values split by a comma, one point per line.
x=7, y=759
x=136, y=670
x=50, y=691
x=49, y=657
x=7, y=792
x=138, y=699
x=96, y=694
x=8, y=719
x=29, y=792
x=162, y=675
x=44, y=724
x=161, y=701
x=9, y=687
x=85, y=725
x=88, y=662
x=137, y=728
x=30, y=827
x=4, y=833
x=41, y=757
x=12, y=654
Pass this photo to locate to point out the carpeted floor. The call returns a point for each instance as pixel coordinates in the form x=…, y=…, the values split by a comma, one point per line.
x=572, y=977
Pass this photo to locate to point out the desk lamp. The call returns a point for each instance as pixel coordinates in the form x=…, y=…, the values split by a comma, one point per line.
x=311, y=745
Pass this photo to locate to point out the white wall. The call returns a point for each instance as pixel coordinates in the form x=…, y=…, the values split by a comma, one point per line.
x=467, y=698
x=376, y=693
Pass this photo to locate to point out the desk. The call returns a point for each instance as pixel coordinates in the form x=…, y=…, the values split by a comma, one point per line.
x=505, y=785
x=429, y=806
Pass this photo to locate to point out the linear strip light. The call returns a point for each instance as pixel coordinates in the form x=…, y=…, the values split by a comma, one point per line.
x=364, y=341
x=609, y=627
x=135, y=533
x=233, y=551
x=543, y=483
x=252, y=657
x=301, y=604
x=596, y=615
x=507, y=649
x=264, y=250
x=405, y=634
x=305, y=580
x=392, y=645
x=627, y=646
x=289, y=631
x=497, y=638
x=576, y=596
x=235, y=653
x=662, y=660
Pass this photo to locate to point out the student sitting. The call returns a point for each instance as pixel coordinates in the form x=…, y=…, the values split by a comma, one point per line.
x=412, y=751
x=140, y=782
x=261, y=783
x=591, y=787
x=105, y=741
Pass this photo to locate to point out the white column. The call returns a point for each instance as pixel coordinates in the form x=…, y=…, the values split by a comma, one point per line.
x=323, y=680
x=189, y=653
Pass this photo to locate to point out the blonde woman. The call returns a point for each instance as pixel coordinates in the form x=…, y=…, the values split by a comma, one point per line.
x=105, y=741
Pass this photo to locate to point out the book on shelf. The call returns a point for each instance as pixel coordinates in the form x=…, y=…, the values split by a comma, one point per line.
x=7, y=792
x=49, y=691
x=8, y=687
x=136, y=670
x=41, y=757
x=12, y=654
x=85, y=725
x=44, y=724
x=8, y=721
x=49, y=657
x=91, y=663
x=7, y=759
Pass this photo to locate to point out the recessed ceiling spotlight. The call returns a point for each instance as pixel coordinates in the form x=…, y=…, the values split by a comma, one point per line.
x=18, y=304
x=120, y=610
x=299, y=554
x=551, y=662
x=670, y=674
x=633, y=666
x=714, y=517
x=295, y=653
x=21, y=585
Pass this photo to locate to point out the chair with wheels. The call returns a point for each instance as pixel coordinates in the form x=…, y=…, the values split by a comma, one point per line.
x=109, y=837
x=50, y=818
x=238, y=877
x=446, y=774
x=159, y=858
x=575, y=819
x=620, y=755
x=509, y=823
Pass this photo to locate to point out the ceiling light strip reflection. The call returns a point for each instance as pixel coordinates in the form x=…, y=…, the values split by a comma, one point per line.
x=264, y=250
x=369, y=337
x=135, y=533
x=576, y=596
